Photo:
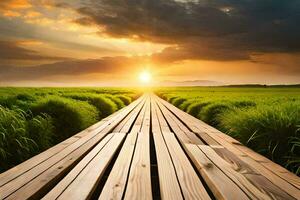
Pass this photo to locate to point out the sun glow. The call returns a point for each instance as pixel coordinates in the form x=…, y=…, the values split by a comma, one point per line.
x=145, y=77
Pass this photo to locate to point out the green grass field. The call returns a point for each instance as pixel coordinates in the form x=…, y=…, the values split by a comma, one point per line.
x=34, y=119
x=266, y=119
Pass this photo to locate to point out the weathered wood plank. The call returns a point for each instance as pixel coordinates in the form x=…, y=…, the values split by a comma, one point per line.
x=62, y=185
x=239, y=176
x=85, y=181
x=179, y=128
x=220, y=184
x=117, y=179
x=190, y=183
x=125, y=125
x=169, y=186
x=139, y=180
x=283, y=173
x=257, y=162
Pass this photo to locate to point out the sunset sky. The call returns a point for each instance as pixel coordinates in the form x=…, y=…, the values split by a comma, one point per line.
x=110, y=42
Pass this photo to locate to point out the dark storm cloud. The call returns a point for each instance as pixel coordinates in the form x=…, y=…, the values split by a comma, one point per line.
x=214, y=30
x=202, y=48
x=68, y=68
x=10, y=50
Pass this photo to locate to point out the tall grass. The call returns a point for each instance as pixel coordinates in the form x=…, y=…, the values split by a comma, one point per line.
x=34, y=119
x=178, y=101
x=266, y=129
x=126, y=99
x=195, y=108
x=185, y=105
x=120, y=104
x=210, y=112
x=41, y=130
x=293, y=160
x=104, y=105
x=14, y=142
x=69, y=116
x=18, y=140
x=21, y=100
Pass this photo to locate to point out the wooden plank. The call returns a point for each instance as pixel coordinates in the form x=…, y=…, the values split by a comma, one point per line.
x=208, y=140
x=258, y=163
x=125, y=125
x=117, y=179
x=279, y=170
x=236, y=174
x=179, y=133
x=87, y=174
x=220, y=184
x=250, y=172
x=276, y=180
x=116, y=182
x=197, y=125
x=189, y=121
x=283, y=173
x=139, y=180
x=236, y=163
x=179, y=128
x=64, y=183
x=169, y=186
x=191, y=185
x=41, y=178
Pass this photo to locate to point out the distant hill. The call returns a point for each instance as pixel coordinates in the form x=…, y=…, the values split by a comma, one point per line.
x=220, y=84
x=191, y=83
x=264, y=86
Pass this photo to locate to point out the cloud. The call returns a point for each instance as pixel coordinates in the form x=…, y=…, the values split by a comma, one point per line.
x=114, y=69
x=12, y=8
x=216, y=49
x=106, y=65
x=216, y=29
x=15, y=4
x=10, y=50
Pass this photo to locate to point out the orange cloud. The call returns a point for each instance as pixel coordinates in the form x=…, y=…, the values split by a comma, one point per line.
x=15, y=4
x=10, y=13
x=12, y=8
x=32, y=14
x=43, y=21
x=29, y=42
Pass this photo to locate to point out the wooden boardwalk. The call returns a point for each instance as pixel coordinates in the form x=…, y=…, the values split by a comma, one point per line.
x=149, y=150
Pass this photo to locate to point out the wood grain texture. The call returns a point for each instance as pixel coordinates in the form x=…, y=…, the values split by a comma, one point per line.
x=169, y=186
x=139, y=180
x=90, y=176
x=63, y=184
x=220, y=184
x=191, y=185
x=125, y=125
x=116, y=182
x=237, y=171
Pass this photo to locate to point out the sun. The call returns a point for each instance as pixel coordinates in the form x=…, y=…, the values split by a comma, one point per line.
x=145, y=77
